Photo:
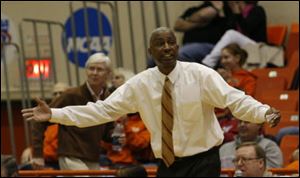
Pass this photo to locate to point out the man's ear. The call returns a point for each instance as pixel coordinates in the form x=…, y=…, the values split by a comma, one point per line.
x=261, y=163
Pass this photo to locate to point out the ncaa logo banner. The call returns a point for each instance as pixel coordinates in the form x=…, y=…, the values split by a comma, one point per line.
x=94, y=33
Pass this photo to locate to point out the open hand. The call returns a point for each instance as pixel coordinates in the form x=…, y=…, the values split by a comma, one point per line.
x=40, y=113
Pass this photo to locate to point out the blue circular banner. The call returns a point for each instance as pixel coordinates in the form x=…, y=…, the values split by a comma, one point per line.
x=94, y=33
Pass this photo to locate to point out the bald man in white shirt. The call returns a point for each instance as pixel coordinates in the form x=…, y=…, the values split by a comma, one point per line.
x=196, y=91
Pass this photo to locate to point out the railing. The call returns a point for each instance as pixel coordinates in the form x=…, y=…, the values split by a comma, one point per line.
x=112, y=172
x=277, y=171
x=284, y=171
x=106, y=172
x=39, y=39
x=7, y=94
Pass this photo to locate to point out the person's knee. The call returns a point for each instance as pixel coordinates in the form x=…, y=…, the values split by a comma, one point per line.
x=230, y=33
x=195, y=52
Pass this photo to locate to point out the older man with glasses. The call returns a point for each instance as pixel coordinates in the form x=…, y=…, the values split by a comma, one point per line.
x=250, y=160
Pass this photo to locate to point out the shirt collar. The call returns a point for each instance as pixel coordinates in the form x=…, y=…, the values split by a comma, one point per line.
x=96, y=97
x=173, y=75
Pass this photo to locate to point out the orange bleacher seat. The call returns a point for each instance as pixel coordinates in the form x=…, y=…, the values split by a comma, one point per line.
x=295, y=27
x=282, y=105
x=288, y=145
x=293, y=41
x=293, y=63
x=287, y=72
x=276, y=34
x=279, y=94
x=291, y=116
x=265, y=84
x=274, y=130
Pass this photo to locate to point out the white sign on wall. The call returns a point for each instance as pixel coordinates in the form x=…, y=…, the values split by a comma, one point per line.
x=8, y=35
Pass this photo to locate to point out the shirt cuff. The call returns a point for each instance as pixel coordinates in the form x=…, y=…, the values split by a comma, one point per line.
x=56, y=116
x=262, y=114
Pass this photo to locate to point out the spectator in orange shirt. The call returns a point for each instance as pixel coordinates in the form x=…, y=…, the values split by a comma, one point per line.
x=50, y=140
x=294, y=162
x=49, y=143
x=136, y=143
x=233, y=57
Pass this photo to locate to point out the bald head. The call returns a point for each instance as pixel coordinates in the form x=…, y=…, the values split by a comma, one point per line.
x=160, y=30
x=163, y=49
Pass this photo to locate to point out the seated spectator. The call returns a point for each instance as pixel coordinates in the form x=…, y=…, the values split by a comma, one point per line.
x=249, y=23
x=251, y=132
x=294, y=163
x=232, y=59
x=202, y=26
x=250, y=160
x=120, y=75
x=9, y=167
x=291, y=130
x=260, y=54
x=249, y=19
x=132, y=171
x=58, y=89
x=135, y=145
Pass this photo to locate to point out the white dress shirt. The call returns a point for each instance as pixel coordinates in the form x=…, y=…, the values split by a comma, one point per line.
x=196, y=91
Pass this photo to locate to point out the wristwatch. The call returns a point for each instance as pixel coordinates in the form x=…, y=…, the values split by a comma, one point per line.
x=269, y=117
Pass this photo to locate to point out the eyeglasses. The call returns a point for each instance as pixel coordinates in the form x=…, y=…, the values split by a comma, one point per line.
x=243, y=160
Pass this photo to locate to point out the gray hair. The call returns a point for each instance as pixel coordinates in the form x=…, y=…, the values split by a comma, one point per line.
x=160, y=29
x=124, y=72
x=98, y=58
x=60, y=87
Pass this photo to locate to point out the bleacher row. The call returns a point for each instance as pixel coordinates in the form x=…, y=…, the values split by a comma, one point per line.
x=275, y=86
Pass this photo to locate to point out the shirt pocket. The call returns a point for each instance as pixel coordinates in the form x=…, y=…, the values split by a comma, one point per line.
x=190, y=102
x=190, y=94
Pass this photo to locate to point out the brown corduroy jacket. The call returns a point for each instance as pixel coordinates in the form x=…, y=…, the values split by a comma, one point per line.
x=82, y=143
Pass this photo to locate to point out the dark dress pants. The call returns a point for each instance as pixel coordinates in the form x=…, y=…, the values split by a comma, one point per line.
x=205, y=164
